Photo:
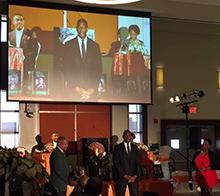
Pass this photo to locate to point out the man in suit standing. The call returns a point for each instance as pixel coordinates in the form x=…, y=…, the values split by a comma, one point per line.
x=23, y=38
x=82, y=63
x=59, y=167
x=126, y=164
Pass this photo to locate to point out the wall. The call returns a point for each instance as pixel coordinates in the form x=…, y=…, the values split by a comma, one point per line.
x=119, y=120
x=189, y=52
x=29, y=127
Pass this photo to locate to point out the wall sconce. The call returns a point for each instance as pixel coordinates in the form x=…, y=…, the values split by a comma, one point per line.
x=218, y=79
x=159, y=77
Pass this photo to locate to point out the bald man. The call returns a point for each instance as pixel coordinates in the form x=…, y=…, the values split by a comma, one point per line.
x=23, y=38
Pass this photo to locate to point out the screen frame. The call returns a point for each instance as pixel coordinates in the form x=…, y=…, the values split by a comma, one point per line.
x=88, y=9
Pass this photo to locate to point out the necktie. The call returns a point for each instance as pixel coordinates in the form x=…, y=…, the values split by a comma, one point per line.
x=128, y=148
x=83, y=49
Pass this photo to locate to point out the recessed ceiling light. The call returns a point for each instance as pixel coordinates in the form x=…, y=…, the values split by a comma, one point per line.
x=108, y=2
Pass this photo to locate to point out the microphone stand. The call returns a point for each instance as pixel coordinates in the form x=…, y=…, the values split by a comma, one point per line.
x=185, y=110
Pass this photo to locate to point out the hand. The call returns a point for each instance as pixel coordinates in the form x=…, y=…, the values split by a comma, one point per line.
x=127, y=177
x=204, y=169
x=132, y=179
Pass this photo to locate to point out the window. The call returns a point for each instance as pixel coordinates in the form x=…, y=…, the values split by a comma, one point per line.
x=135, y=115
x=3, y=29
x=9, y=122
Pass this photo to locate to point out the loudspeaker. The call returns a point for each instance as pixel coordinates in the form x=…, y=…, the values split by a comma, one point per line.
x=194, y=137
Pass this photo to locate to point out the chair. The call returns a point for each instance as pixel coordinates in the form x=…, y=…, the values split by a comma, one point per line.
x=164, y=158
x=180, y=181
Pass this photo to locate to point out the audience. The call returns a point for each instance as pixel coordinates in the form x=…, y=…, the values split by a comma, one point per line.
x=149, y=193
x=79, y=189
x=93, y=187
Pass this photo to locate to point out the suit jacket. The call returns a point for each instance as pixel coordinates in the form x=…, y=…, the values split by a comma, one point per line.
x=85, y=72
x=59, y=170
x=125, y=164
x=29, y=45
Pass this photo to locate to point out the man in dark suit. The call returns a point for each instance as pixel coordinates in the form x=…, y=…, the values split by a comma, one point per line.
x=126, y=164
x=82, y=63
x=22, y=37
x=59, y=167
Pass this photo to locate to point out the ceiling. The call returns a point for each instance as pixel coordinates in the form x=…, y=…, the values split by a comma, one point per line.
x=201, y=10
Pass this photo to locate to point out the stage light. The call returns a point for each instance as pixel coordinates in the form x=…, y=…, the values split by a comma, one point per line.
x=185, y=99
x=177, y=99
x=108, y=2
x=171, y=100
x=201, y=94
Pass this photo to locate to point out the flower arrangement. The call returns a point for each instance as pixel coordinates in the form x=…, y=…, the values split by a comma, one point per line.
x=98, y=161
x=18, y=166
x=98, y=157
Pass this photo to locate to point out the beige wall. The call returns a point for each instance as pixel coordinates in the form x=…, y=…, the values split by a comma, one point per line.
x=190, y=54
x=29, y=127
x=119, y=120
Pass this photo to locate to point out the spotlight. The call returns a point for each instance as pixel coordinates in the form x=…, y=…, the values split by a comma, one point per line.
x=186, y=98
x=171, y=100
x=201, y=94
x=177, y=99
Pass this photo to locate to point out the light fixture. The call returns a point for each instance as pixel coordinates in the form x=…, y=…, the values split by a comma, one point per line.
x=107, y=2
x=159, y=77
x=186, y=99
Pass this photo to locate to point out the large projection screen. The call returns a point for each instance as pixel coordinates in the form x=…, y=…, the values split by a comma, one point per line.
x=78, y=54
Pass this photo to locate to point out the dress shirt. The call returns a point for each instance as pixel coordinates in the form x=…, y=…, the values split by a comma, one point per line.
x=60, y=149
x=126, y=147
x=54, y=144
x=80, y=44
x=18, y=37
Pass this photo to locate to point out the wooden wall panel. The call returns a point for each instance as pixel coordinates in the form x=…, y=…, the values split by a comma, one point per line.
x=93, y=125
x=92, y=121
x=63, y=123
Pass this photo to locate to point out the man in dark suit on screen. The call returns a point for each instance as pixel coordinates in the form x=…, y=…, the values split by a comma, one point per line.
x=59, y=167
x=126, y=165
x=82, y=63
x=25, y=39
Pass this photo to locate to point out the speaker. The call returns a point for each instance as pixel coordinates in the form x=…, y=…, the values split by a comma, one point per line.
x=194, y=137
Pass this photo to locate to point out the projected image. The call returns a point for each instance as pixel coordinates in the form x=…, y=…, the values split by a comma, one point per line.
x=71, y=56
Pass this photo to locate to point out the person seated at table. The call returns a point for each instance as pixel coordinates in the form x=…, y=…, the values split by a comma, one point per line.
x=52, y=145
x=39, y=147
x=93, y=187
x=54, y=137
x=79, y=189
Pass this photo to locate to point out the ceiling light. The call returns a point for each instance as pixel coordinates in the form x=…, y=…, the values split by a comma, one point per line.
x=107, y=2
